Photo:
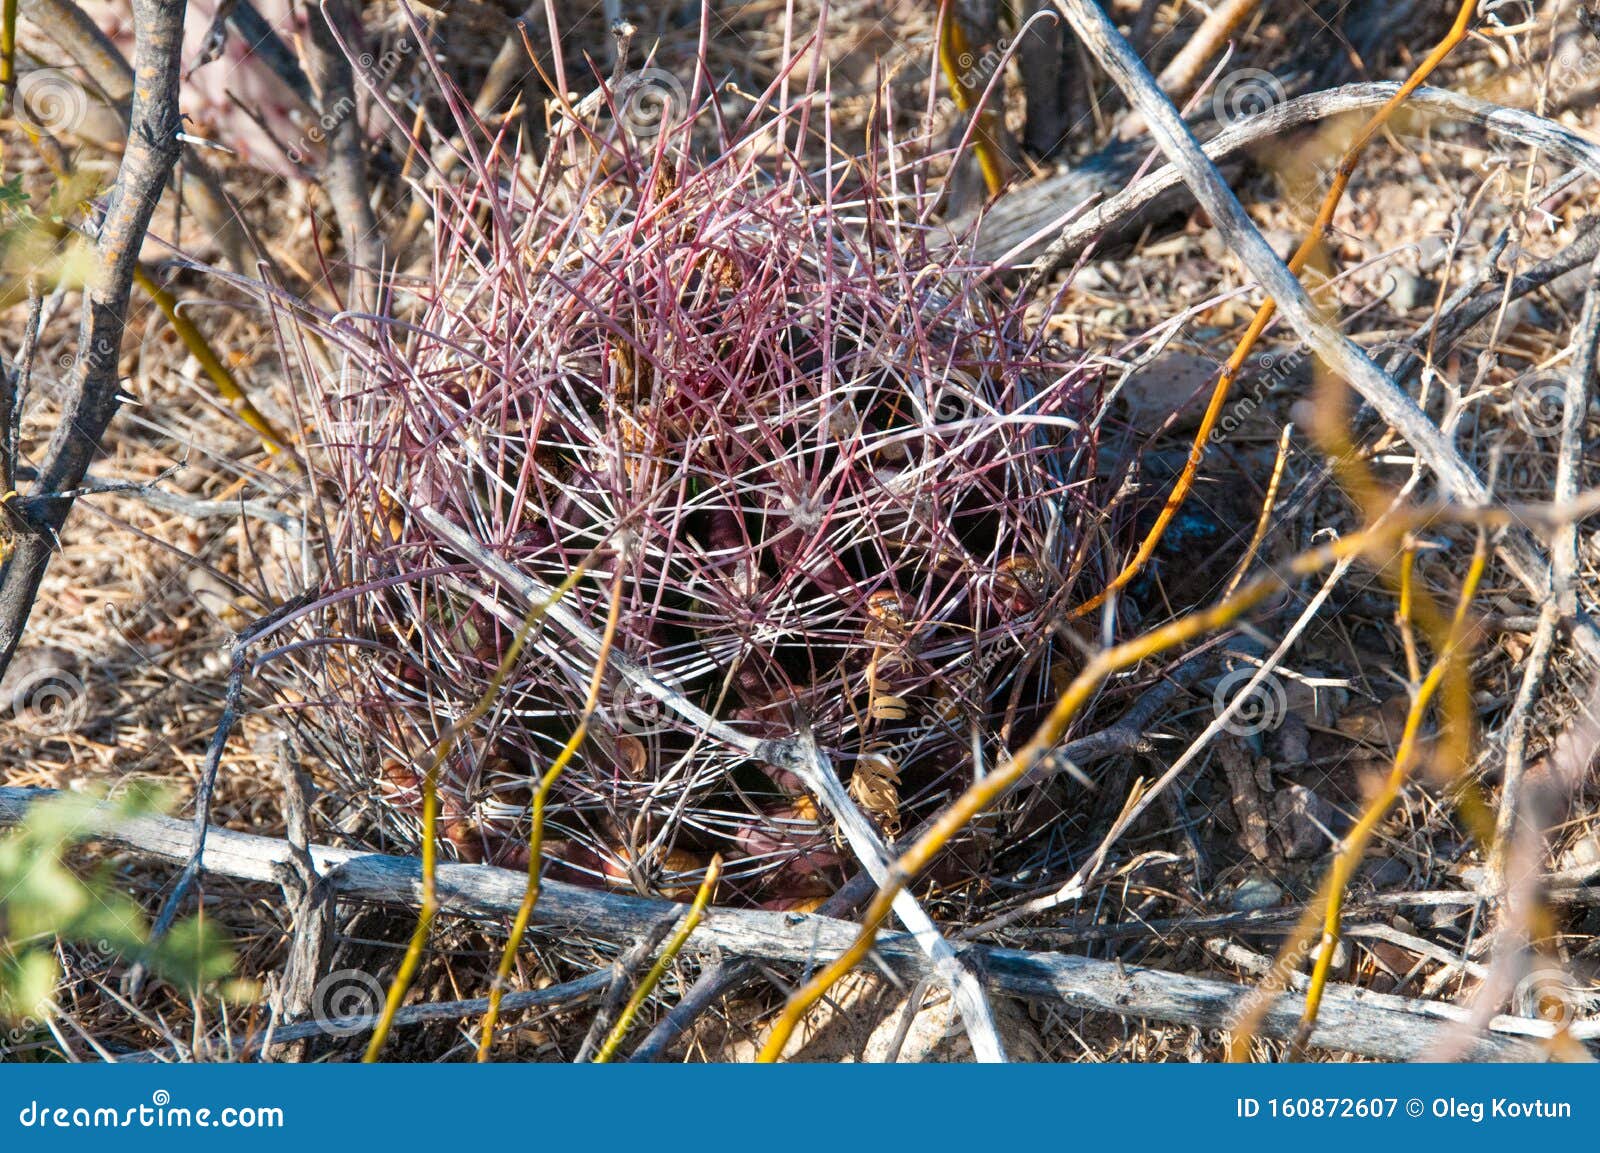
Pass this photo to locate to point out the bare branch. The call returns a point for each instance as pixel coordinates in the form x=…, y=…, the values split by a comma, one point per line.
x=1341, y=354
x=93, y=396
x=80, y=38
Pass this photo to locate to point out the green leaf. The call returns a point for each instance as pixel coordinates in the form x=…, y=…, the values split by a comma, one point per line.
x=26, y=983
x=193, y=955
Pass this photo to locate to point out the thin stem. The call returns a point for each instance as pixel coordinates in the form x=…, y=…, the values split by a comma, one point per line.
x=530, y=893
x=984, y=792
x=211, y=364
x=1355, y=842
x=8, y=56
x=953, y=48
x=429, y=905
x=679, y=938
x=1263, y=317
x=1264, y=521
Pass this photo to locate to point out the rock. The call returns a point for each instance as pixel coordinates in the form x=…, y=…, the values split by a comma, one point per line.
x=1408, y=291
x=1391, y=958
x=1290, y=743
x=936, y=1034
x=1314, y=696
x=1380, y=724
x=1341, y=957
x=1304, y=821
x=1583, y=853
x=1385, y=872
x=42, y=691
x=861, y=1016
x=1255, y=893
x=213, y=595
x=1446, y=916
x=1434, y=249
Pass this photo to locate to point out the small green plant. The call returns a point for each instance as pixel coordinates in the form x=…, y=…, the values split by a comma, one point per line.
x=43, y=901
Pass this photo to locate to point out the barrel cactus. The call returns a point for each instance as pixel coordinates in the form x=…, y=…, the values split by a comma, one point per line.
x=834, y=475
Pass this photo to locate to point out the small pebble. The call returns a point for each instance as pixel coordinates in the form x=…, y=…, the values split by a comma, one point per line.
x=1385, y=872
x=1408, y=291
x=1341, y=957
x=1256, y=893
x=1584, y=853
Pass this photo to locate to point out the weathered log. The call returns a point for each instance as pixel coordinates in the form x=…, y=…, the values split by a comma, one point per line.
x=1022, y=219
x=1353, y=1020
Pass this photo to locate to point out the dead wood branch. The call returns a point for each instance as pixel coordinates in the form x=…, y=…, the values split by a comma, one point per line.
x=1130, y=734
x=1333, y=347
x=1028, y=212
x=93, y=396
x=1179, y=78
x=333, y=32
x=798, y=755
x=1353, y=1020
x=565, y=994
x=76, y=34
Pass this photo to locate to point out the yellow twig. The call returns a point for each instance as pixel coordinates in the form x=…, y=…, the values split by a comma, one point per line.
x=1408, y=634
x=991, y=787
x=194, y=340
x=1355, y=842
x=530, y=893
x=1258, y=324
x=429, y=905
x=1264, y=521
x=8, y=56
x=679, y=938
x=953, y=49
